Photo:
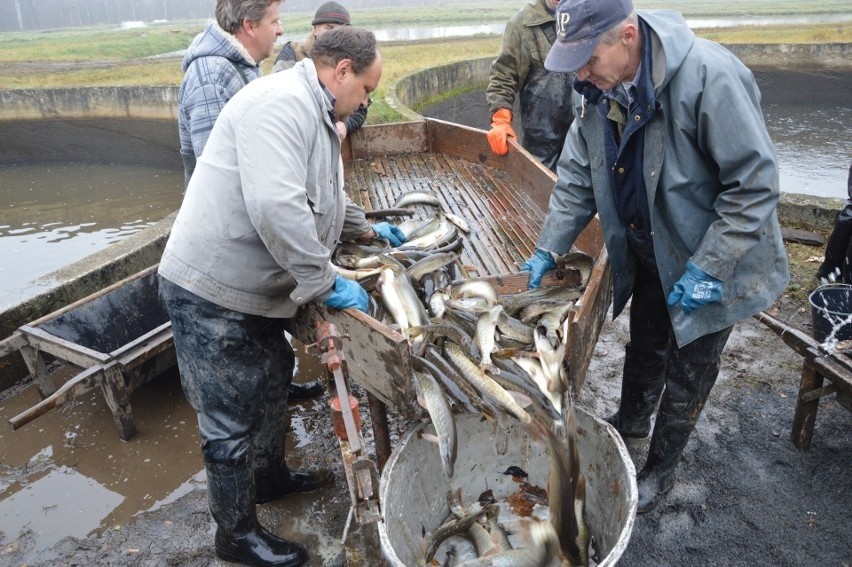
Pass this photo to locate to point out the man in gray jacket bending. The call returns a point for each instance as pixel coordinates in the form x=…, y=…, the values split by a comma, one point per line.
x=670, y=149
x=251, y=244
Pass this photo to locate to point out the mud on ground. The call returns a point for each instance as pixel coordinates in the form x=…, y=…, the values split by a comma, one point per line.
x=744, y=494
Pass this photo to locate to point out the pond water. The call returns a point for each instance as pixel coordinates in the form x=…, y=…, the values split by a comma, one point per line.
x=805, y=114
x=411, y=34
x=53, y=215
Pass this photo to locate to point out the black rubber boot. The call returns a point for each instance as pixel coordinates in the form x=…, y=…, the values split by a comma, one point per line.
x=690, y=376
x=273, y=478
x=305, y=391
x=641, y=386
x=239, y=536
x=276, y=482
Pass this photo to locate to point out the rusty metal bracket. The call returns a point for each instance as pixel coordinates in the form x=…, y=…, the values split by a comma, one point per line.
x=361, y=471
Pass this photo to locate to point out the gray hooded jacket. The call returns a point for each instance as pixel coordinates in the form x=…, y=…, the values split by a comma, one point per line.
x=711, y=178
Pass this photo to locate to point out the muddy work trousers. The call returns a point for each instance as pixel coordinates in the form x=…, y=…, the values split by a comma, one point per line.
x=655, y=366
x=235, y=370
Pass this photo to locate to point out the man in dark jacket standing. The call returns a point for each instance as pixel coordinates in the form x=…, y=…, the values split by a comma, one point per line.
x=545, y=96
x=328, y=16
x=670, y=149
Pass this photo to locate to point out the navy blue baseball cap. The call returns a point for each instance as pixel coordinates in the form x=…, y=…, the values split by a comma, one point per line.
x=579, y=26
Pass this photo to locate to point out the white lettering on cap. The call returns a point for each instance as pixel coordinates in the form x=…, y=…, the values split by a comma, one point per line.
x=564, y=17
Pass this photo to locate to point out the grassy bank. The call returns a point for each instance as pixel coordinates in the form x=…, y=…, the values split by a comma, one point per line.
x=72, y=58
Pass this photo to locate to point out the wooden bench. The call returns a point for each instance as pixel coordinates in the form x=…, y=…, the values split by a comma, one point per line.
x=821, y=362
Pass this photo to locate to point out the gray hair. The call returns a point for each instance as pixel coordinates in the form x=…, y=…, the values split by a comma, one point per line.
x=611, y=35
x=231, y=13
x=345, y=42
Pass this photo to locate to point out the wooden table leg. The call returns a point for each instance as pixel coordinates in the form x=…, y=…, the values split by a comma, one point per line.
x=117, y=398
x=805, y=416
x=38, y=370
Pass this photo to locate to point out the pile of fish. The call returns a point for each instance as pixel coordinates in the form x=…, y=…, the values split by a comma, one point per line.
x=476, y=350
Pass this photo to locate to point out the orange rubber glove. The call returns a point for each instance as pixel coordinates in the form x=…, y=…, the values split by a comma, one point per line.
x=501, y=131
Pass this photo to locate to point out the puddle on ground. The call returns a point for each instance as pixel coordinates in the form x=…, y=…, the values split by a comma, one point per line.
x=68, y=473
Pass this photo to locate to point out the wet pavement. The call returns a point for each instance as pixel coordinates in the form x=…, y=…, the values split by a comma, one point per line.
x=744, y=494
x=68, y=475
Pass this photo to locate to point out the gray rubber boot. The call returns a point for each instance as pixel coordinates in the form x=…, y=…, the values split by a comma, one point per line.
x=690, y=377
x=641, y=385
x=239, y=536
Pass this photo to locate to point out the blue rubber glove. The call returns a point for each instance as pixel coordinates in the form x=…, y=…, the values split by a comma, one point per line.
x=537, y=265
x=389, y=232
x=347, y=293
x=695, y=289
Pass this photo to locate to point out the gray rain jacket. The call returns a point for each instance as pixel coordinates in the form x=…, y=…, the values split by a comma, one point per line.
x=216, y=66
x=711, y=178
x=265, y=207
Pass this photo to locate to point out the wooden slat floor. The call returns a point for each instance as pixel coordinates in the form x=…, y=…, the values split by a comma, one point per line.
x=503, y=219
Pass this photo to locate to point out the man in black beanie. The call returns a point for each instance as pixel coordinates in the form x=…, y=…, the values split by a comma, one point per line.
x=327, y=17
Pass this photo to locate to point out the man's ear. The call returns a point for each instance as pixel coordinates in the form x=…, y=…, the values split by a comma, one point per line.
x=343, y=68
x=248, y=26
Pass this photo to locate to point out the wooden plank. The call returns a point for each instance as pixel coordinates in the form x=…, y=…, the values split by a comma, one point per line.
x=62, y=349
x=804, y=417
x=76, y=386
x=378, y=357
x=156, y=335
x=471, y=144
x=805, y=237
x=389, y=139
x=12, y=343
x=589, y=317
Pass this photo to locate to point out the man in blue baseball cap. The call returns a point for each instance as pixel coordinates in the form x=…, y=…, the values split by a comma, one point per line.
x=670, y=149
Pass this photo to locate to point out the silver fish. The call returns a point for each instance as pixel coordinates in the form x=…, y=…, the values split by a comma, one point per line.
x=474, y=288
x=469, y=304
x=430, y=264
x=486, y=328
x=438, y=304
x=358, y=275
x=553, y=320
x=540, y=551
x=450, y=331
x=443, y=233
x=458, y=221
x=486, y=385
x=562, y=489
x=580, y=261
x=532, y=366
x=411, y=198
x=482, y=405
x=453, y=527
x=432, y=398
x=514, y=329
x=392, y=298
x=513, y=303
x=551, y=357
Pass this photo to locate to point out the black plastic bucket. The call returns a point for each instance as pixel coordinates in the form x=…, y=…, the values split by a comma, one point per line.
x=831, y=306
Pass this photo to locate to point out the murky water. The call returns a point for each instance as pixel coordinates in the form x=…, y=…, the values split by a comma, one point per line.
x=411, y=34
x=68, y=474
x=53, y=215
x=805, y=114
